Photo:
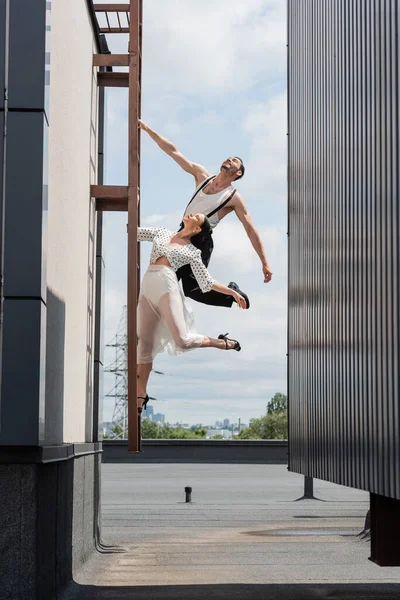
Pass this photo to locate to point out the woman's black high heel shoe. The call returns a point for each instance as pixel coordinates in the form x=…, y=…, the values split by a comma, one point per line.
x=236, y=347
x=143, y=407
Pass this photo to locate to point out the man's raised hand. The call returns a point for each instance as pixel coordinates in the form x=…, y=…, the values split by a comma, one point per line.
x=267, y=273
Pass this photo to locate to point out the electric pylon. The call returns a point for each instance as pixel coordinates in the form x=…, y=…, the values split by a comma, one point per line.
x=120, y=369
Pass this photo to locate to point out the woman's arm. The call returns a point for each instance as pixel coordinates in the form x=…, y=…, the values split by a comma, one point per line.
x=147, y=234
x=223, y=289
x=207, y=283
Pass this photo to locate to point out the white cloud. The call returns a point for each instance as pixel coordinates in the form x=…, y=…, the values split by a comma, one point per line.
x=266, y=125
x=209, y=47
x=234, y=252
x=212, y=47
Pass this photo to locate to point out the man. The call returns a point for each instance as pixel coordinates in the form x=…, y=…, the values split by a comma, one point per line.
x=214, y=197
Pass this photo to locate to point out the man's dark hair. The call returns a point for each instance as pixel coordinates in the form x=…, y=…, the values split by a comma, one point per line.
x=241, y=168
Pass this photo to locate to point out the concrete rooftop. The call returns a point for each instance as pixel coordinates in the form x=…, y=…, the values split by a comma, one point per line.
x=226, y=544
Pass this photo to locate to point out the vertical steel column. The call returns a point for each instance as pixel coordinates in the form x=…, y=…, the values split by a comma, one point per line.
x=135, y=12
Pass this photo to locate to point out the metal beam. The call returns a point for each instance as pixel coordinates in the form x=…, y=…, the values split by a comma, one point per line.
x=112, y=7
x=134, y=442
x=109, y=192
x=112, y=205
x=111, y=60
x=112, y=79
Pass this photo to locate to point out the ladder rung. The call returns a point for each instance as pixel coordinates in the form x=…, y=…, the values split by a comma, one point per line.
x=114, y=29
x=110, y=197
x=111, y=60
x=111, y=8
x=111, y=205
x=109, y=192
x=113, y=79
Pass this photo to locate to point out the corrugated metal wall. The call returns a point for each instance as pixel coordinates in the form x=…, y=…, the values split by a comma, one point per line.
x=343, y=105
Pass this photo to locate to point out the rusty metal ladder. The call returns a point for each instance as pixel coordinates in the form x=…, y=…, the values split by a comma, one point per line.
x=127, y=19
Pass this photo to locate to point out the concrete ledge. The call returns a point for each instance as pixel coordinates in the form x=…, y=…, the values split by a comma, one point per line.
x=199, y=451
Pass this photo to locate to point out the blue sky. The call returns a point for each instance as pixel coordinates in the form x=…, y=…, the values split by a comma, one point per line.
x=214, y=82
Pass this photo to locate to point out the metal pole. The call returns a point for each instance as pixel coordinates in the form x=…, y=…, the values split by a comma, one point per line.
x=308, y=490
x=133, y=203
x=308, y=487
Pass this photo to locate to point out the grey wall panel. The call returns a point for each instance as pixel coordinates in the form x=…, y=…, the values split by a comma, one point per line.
x=1, y=150
x=3, y=26
x=22, y=400
x=27, y=54
x=343, y=177
x=55, y=361
x=25, y=208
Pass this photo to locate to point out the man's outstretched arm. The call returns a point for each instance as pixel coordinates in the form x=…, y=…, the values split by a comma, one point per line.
x=198, y=171
x=244, y=217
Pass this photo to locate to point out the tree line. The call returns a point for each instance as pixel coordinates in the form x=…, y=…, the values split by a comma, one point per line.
x=273, y=425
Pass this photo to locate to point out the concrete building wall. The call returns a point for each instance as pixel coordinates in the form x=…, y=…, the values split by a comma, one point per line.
x=47, y=524
x=71, y=224
x=49, y=458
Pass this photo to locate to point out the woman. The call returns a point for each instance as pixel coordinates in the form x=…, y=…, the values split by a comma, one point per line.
x=164, y=318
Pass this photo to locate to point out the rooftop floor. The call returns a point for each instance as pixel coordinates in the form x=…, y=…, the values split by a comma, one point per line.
x=230, y=542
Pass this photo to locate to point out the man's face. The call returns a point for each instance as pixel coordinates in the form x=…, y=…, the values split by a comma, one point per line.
x=231, y=165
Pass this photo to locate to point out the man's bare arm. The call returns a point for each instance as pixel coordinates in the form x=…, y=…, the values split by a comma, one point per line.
x=244, y=217
x=198, y=171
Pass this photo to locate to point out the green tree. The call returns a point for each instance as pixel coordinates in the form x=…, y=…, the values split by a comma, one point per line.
x=114, y=432
x=154, y=431
x=272, y=426
x=150, y=430
x=201, y=432
x=277, y=404
x=166, y=431
x=179, y=433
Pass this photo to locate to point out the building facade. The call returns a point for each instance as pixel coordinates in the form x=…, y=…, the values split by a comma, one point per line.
x=344, y=260
x=51, y=152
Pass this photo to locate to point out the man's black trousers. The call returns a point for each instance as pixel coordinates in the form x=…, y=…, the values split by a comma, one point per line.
x=191, y=287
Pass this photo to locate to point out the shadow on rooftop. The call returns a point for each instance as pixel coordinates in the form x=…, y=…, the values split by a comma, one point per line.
x=383, y=591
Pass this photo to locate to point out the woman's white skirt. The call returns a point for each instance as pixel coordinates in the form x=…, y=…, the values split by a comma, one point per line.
x=165, y=320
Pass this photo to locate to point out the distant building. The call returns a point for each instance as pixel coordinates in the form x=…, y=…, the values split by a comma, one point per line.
x=149, y=413
x=226, y=433
x=226, y=423
x=107, y=427
x=159, y=418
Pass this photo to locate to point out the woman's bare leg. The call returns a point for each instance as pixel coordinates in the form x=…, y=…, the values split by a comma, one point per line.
x=171, y=307
x=147, y=325
x=220, y=344
x=143, y=374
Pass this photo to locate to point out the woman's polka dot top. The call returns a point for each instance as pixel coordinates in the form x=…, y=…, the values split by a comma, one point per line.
x=178, y=256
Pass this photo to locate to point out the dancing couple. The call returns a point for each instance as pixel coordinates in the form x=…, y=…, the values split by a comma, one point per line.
x=164, y=317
